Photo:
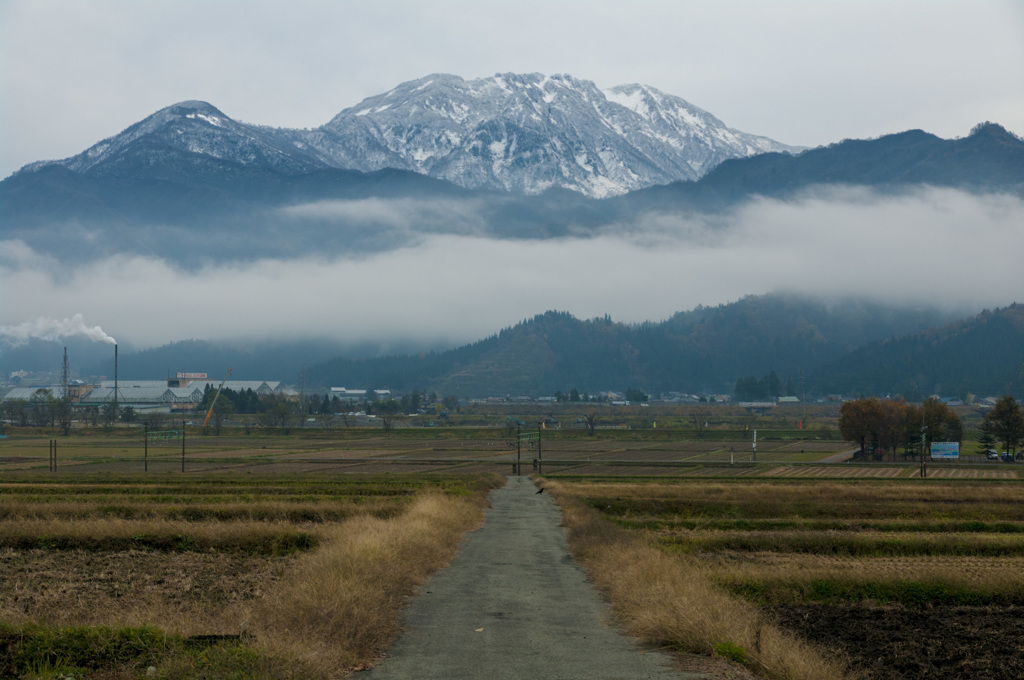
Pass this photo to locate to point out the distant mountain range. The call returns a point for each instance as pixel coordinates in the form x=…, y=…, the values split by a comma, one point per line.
x=511, y=132
x=701, y=351
x=192, y=186
x=512, y=157
x=983, y=355
x=846, y=347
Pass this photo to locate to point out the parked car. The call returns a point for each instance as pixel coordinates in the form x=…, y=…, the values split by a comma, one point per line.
x=1007, y=457
x=992, y=454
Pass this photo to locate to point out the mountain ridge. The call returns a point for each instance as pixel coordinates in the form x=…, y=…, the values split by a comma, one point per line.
x=852, y=347
x=707, y=349
x=514, y=132
x=231, y=211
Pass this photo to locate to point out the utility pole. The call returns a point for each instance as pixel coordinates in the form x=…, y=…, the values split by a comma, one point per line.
x=65, y=397
x=114, y=412
x=519, y=449
x=924, y=429
x=540, y=456
x=64, y=378
x=302, y=397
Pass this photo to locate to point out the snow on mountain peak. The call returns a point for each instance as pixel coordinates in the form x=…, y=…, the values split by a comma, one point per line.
x=517, y=132
x=529, y=132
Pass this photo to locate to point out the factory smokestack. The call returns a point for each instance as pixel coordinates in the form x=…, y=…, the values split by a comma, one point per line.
x=115, y=380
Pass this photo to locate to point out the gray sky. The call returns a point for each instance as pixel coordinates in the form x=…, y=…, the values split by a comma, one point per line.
x=803, y=72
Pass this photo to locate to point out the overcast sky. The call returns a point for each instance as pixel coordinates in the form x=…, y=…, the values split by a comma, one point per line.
x=804, y=72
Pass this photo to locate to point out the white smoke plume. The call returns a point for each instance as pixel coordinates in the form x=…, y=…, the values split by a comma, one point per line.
x=44, y=328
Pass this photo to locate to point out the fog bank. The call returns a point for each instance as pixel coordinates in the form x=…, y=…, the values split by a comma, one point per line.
x=937, y=247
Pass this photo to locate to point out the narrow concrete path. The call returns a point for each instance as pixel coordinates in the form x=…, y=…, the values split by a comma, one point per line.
x=841, y=457
x=514, y=605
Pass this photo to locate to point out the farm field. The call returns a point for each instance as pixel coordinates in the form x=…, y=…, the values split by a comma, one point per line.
x=134, y=561
x=904, y=578
x=105, y=576
x=463, y=451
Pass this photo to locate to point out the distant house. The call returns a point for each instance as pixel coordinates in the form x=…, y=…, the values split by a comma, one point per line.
x=346, y=394
x=158, y=396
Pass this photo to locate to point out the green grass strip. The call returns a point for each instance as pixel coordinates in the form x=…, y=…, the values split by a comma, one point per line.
x=275, y=544
x=848, y=545
x=31, y=650
x=966, y=526
x=901, y=591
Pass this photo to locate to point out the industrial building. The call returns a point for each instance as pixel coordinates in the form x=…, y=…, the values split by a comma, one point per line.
x=178, y=394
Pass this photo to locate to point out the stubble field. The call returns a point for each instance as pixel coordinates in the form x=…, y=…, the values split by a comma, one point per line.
x=107, y=570
x=189, y=576
x=904, y=579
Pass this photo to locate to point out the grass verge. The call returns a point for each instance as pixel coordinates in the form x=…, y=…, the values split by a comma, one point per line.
x=670, y=600
x=339, y=606
x=331, y=605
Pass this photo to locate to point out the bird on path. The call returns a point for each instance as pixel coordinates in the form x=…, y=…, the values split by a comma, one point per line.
x=541, y=490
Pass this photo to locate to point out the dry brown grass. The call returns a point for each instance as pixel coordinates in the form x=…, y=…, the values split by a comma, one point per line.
x=670, y=600
x=339, y=606
x=793, y=571
x=70, y=557
x=787, y=493
x=88, y=507
x=184, y=593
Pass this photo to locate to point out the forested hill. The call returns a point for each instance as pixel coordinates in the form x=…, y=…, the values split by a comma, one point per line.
x=703, y=350
x=990, y=159
x=983, y=355
x=852, y=348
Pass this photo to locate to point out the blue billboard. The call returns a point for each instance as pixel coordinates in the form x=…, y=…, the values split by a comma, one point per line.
x=946, y=450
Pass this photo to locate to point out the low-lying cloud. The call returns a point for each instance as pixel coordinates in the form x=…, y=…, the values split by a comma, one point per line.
x=409, y=215
x=931, y=247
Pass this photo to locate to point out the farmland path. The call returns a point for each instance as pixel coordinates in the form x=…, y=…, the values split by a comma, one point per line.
x=841, y=457
x=513, y=604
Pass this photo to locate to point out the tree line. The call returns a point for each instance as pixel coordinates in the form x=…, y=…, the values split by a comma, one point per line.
x=1003, y=425
x=883, y=426
x=44, y=409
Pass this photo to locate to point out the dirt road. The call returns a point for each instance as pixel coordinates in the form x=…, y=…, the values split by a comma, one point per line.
x=513, y=605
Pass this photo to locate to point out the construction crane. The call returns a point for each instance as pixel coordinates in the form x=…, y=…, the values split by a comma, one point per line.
x=214, y=402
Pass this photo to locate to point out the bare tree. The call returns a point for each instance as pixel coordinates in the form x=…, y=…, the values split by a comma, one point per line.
x=701, y=422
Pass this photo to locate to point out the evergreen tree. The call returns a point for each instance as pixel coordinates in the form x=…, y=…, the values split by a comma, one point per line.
x=986, y=440
x=1006, y=423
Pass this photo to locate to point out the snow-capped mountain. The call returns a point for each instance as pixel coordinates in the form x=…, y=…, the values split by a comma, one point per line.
x=518, y=133
x=528, y=133
x=190, y=128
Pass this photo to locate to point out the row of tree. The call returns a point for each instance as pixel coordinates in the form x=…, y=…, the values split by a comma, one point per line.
x=882, y=426
x=1004, y=425
x=43, y=409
